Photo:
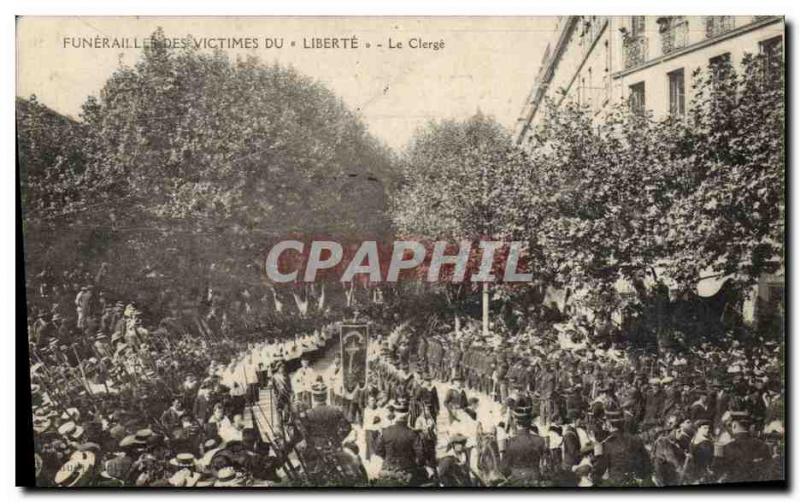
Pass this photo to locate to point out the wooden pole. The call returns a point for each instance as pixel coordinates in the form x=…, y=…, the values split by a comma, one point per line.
x=485, y=309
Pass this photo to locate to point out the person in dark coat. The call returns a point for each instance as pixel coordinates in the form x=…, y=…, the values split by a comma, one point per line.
x=456, y=397
x=325, y=426
x=670, y=455
x=454, y=469
x=700, y=410
x=621, y=459
x=402, y=451
x=653, y=403
x=701, y=455
x=744, y=458
x=521, y=462
x=574, y=401
x=572, y=442
x=426, y=394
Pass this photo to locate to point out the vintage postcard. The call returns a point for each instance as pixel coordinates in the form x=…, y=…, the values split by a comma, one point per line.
x=425, y=252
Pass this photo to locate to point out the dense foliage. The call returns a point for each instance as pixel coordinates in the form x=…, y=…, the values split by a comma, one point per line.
x=187, y=165
x=625, y=203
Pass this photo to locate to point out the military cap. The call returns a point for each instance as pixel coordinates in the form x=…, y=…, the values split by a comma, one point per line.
x=740, y=416
x=319, y=388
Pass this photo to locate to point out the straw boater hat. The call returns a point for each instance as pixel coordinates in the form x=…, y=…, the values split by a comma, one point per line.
x=41, y=424
x=76, y=471
x=141, y=438
x=228, y=476
x=183, y=460
x=70, y=430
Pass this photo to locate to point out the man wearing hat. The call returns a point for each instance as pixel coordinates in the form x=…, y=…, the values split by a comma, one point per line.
x=453, y=469
x=698, y=470
x=523, y=453
x=77, y=471
x=325, y=426
x=744, y=458
x=115, y=473
x=621, y=459
x=70, y=432
x=653, y=403
x=402, y=451
x=671, y=453
x=426, y=395
x=456, y=397
x=518, y=398
x=700, y=409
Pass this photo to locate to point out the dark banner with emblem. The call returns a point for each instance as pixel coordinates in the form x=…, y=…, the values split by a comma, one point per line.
x=353, y=342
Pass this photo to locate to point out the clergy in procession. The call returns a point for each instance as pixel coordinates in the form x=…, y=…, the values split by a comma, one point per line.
x=302, y=380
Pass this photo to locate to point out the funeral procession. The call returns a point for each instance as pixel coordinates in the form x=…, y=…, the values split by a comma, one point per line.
x=379, y=267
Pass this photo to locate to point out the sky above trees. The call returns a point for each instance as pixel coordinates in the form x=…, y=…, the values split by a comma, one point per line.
x=487, y=64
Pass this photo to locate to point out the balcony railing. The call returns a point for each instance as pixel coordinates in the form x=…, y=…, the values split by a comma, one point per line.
x=717, y=25
x=675, y=36
x=635, y=50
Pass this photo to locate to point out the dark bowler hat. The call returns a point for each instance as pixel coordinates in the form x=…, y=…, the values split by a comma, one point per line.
x=522, y=412
x=400, y=406
x=319, y=389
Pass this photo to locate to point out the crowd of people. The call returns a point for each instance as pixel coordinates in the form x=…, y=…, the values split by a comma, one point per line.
x=121, y=401
x=553, y=409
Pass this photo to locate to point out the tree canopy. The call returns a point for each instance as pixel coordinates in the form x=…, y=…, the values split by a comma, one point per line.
x=189, y=162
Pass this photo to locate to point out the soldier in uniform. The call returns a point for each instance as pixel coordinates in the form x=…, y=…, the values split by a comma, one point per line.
x=402, y=451
x=621, y=459
x=325, y=425
x=521, y=462
x=517, y=399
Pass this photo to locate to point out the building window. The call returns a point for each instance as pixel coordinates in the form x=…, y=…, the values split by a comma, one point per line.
x=717, y=25
x=636, y=98
x=720, y=67
x=674, y=33
x=772, y=52
x=677, y=93
x=637, y=26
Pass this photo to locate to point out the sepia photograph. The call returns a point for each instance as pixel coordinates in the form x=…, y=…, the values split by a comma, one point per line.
x=480, y=252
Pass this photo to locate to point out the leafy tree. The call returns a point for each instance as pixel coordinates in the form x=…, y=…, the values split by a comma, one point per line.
x=191, y=164
x=658, y=201
x=464, y=180
x=730, y=217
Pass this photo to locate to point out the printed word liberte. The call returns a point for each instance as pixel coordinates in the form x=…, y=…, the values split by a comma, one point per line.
x=435, y=261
